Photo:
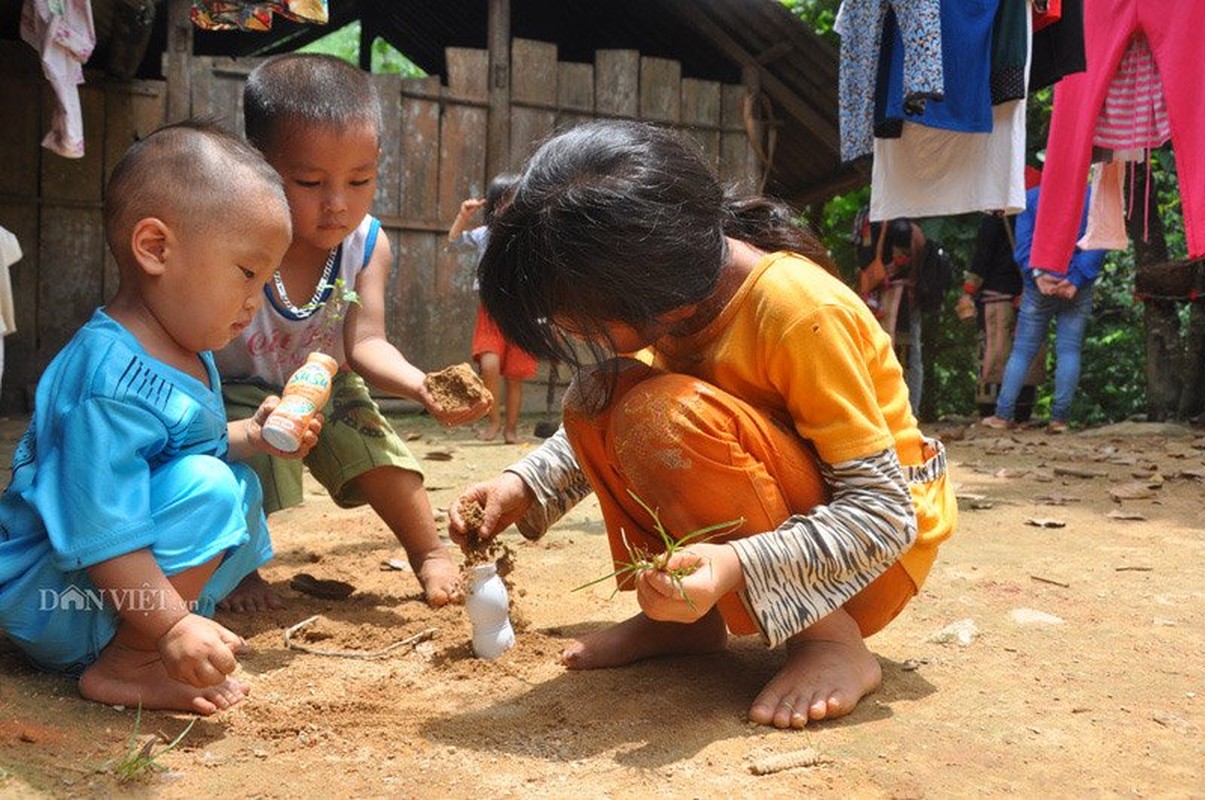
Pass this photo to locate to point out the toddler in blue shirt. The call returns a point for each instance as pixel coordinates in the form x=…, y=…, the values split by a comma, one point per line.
x=128, y=515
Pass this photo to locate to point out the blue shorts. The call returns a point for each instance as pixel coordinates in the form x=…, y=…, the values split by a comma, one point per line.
x=204, y=508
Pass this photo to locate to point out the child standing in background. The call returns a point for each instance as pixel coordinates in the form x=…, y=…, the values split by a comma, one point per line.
x=317, y=120
x=128, y=515
x=731, y=377
x=498, y=360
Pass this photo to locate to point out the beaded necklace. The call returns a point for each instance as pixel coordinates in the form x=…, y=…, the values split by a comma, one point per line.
x=327, y=271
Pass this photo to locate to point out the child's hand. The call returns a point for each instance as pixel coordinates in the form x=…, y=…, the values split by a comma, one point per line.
x=199, y=651
x=505, y=499
x=255, y=431
x=471, y=206
x=457, y=416
x=717, y=572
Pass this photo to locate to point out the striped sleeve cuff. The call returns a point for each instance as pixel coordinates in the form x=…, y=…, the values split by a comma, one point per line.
x=812, y=564
x=552, y=473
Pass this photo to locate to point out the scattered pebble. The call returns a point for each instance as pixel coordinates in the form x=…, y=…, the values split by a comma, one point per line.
x=962, y=633
x=1031, y=616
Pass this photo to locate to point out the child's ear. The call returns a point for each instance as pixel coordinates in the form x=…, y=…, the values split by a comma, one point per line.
x=150, y=244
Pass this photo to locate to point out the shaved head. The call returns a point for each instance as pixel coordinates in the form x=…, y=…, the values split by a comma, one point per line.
x=192, y=176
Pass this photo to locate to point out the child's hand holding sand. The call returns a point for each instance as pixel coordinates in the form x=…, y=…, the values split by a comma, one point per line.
x=199, y=651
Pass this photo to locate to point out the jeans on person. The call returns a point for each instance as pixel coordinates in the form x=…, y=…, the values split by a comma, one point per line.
x=1033, y=321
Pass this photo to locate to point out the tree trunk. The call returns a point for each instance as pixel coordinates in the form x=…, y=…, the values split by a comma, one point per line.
x=1192, y=397
x=1164, y=350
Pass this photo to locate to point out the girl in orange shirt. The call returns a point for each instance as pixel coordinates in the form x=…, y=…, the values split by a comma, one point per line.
x=720, y=374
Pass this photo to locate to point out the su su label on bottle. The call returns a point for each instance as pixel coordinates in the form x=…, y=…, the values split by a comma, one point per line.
x=304, y=396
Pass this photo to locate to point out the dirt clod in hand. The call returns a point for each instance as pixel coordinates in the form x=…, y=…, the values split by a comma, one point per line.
x=478, y=551
x=456, y=388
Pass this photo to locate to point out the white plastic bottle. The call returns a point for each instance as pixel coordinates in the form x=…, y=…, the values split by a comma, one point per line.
x=488, y=608
x=304, y=396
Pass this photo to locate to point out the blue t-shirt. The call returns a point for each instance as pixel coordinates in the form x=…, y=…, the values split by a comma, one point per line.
x=107, y=414
x=1085, y=264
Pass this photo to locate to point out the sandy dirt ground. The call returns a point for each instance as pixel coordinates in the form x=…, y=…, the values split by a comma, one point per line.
x=1057, y=649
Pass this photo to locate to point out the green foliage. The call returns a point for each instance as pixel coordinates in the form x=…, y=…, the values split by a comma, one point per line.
x=342, y=298
x=1112, y=381
x=641, y=560
x=140, y=760
x=344, y=43
x=819, y=14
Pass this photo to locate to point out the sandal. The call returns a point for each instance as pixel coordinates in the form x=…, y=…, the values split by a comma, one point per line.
x=1056, y=426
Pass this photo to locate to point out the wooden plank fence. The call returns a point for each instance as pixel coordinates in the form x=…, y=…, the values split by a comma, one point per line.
x=433, y=156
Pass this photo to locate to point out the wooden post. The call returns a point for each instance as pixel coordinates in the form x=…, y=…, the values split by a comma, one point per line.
x=497, y=153
x=368, y=32
x=760, y=163
x=178, y=68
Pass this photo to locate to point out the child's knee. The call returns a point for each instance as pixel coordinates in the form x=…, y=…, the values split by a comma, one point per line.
x=194, y=479
x=199, y=504
x=662, y=411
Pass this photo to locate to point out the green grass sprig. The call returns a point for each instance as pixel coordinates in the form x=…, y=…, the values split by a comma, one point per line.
x=641, y=560
x=139, y=760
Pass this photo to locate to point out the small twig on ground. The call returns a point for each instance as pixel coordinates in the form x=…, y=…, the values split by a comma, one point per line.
x=1051, y=581
x=421, y=636
x=1075, y=472
x=807, y=757
x=1133, y=569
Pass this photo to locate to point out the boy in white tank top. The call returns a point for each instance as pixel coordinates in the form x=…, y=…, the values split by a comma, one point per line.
x=317, y=120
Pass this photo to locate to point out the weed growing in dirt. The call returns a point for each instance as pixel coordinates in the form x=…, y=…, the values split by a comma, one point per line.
x=640, y=559
x=337, y=305
x=139, y=761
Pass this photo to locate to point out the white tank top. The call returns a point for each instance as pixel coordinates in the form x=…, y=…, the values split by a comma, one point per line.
x=278, y=340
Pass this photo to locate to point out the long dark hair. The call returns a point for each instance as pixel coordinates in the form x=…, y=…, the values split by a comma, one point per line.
x=616, y=222
x=495, y=193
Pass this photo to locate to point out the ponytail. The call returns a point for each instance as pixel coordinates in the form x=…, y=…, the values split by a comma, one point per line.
x=771, y=225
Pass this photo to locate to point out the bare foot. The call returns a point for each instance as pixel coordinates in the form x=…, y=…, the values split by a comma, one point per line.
x=126, y=677
x=511, y=436
x=828, y=671
x=252, y=594
x=440, y=578
x=639, y=637
x=490, y=432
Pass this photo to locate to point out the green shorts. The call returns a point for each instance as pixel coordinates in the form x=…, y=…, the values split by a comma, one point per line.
x=355, y=438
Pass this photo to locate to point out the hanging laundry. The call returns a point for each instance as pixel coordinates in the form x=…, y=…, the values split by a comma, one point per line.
x=62, y=32
x=1134, y=115
x=929, y=172
x=1170, y=27
x=860, y=24
x=1058, y=44
x=10, y=253
x=966, y=35
x=223, y=15
x=1046, y=12
x=1106, y=229
x=1010, y=50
